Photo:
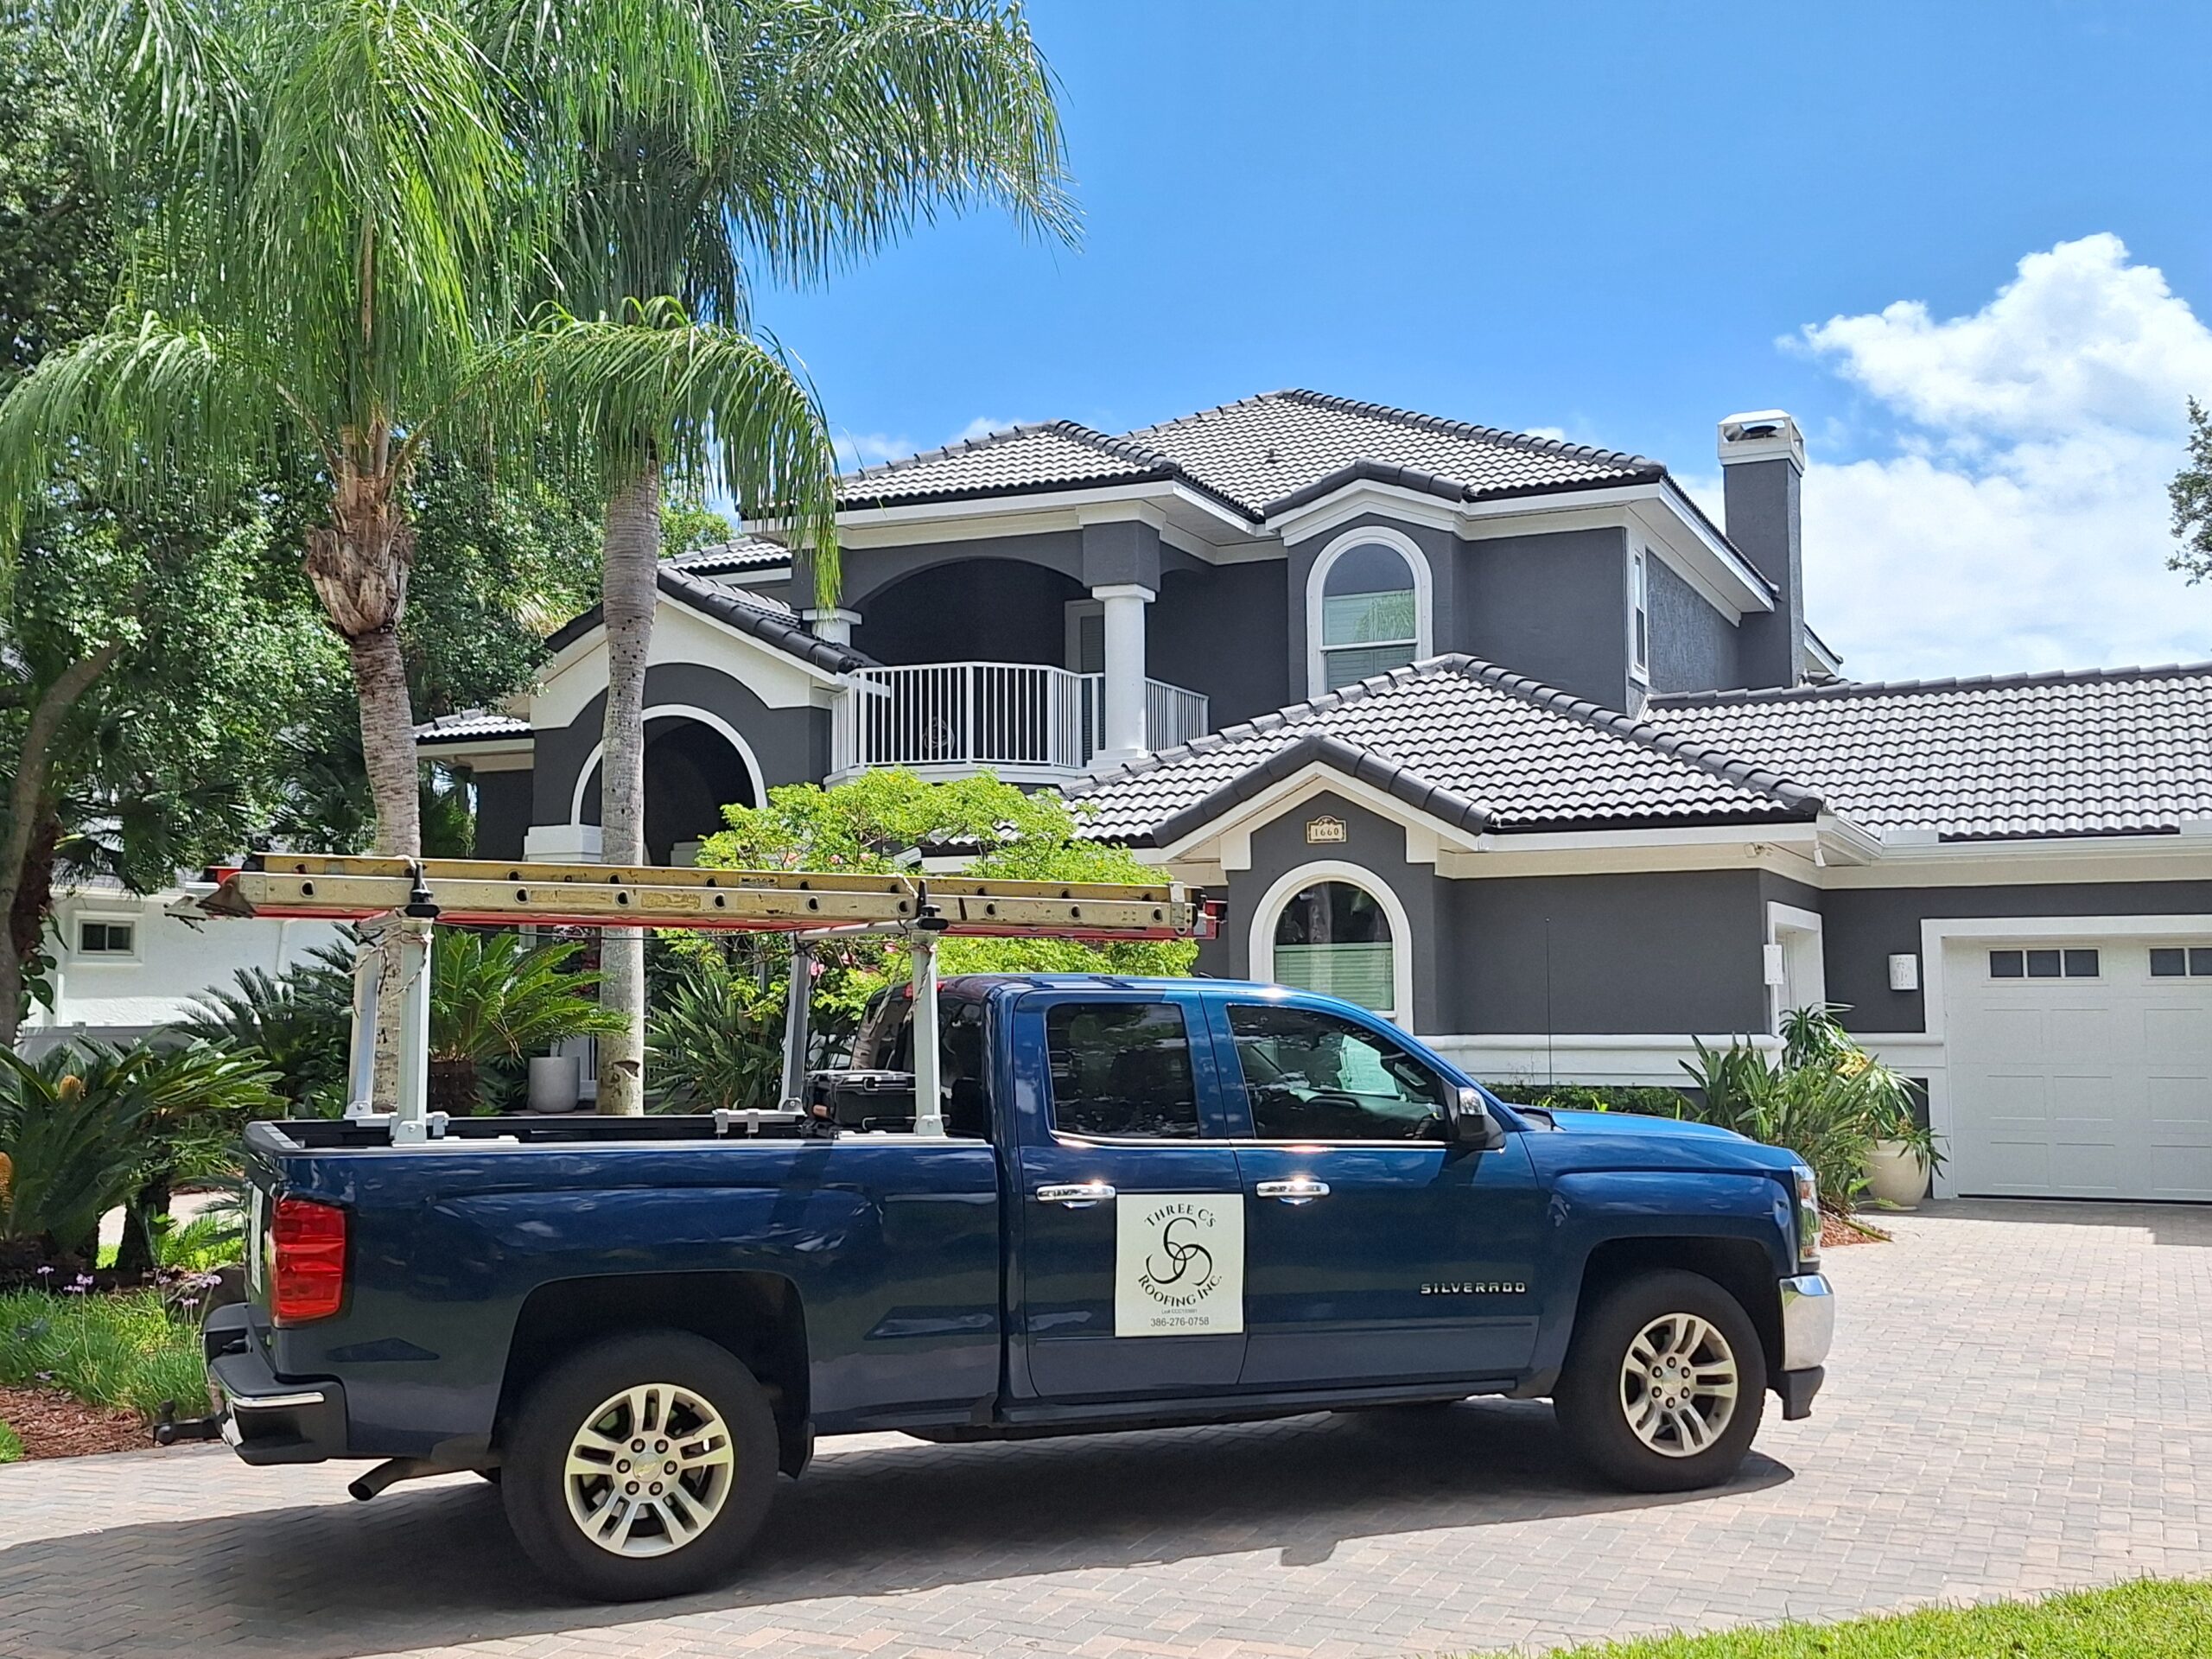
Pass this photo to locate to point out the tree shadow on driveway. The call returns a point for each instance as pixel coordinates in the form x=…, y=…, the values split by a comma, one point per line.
x=433, y=1564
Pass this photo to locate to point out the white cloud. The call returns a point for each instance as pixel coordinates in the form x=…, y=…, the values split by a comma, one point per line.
x=868, y=448
x=2019, y=519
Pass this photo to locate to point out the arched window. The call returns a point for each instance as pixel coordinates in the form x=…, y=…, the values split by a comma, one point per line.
x=1335, y=939
x=1367, y=604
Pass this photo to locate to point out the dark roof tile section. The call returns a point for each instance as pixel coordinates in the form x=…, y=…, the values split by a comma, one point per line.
x=739, y=553
x=2124, y=751
x=470, y=725
x=1263, y=454
x=1479, y=747
x=1058, y=454
x=769, y=620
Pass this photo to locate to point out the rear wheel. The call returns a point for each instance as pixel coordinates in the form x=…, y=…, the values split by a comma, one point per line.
x=642, y=1466
x=1664, y=1384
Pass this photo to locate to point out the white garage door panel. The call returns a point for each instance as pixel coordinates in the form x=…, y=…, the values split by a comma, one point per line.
x=2079, y=1088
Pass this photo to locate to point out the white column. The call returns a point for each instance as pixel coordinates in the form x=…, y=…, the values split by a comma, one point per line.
x=1123, y=734
x=835, y=626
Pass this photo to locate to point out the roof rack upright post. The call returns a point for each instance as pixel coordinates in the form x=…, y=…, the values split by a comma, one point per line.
x=798, y=997
x=361, y=1040
x=410, y=1123
x=929, y=1112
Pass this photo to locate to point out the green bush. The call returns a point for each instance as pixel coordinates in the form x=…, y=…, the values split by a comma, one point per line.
x=11, y=1444
x=121, y=1350
x=1827, y=1100
x=714, y=1041
x=1594, y=1098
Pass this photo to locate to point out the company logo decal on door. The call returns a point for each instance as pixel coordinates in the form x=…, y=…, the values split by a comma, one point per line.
x=1178, y=1264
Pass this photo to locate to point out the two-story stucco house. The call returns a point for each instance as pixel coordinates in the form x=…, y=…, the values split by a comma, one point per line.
x=1499, y=734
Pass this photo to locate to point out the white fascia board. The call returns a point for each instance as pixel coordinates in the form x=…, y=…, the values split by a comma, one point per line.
x=486, y=754
x=1659, y=512
x=2038, y=862
x=1029, y=512
x=1790, y=850
x=1227, y=839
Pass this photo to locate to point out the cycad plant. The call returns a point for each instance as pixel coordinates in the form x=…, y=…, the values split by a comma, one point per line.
x=494, y=996
x=717, y=1039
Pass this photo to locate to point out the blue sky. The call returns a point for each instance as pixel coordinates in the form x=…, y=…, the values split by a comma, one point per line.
x=1620, y=223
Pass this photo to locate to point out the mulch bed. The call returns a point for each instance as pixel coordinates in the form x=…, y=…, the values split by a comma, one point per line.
x=51, y=1424
x=1836, y=1232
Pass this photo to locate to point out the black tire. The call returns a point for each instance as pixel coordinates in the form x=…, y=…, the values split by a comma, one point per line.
x=1592, y=1400
x=534, y=1486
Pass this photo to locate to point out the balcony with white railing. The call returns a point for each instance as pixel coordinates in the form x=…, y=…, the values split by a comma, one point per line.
x=1026, y=722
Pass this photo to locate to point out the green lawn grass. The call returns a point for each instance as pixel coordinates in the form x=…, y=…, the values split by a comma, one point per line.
x=2150, y=1618
x=119, y=1350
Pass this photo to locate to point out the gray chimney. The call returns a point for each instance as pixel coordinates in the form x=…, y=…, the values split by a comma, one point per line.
x=1763, y=467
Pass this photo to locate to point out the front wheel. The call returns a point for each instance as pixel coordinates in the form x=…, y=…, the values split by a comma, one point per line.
x=1664, y=1382
x=641, y=1466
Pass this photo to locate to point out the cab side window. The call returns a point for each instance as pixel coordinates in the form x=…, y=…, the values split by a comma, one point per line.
x=1310, y=1076
x=1122, y=1069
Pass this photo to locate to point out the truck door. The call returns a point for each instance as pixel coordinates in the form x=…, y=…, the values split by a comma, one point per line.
x=1374, y=1253
x=1128, y=1271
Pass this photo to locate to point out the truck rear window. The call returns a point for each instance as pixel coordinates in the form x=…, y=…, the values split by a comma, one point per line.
x=1122, y=1068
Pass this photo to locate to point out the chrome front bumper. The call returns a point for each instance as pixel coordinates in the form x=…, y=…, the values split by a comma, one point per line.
x=1808, y=1322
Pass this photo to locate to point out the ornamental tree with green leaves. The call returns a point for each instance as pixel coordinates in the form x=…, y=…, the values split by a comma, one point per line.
x=844, y=124
x=2190, y=494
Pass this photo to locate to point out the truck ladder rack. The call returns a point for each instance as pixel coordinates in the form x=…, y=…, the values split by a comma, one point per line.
x=482, y=891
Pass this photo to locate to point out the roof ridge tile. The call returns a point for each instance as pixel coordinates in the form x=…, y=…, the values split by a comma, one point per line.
x=1842, y=689
x=1528, y=441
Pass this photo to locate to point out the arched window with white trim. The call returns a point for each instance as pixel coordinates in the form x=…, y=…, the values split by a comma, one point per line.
x=1367, y=608
x=1336, y=938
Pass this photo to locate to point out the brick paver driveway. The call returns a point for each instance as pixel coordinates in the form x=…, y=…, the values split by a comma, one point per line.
x=2021, y=1400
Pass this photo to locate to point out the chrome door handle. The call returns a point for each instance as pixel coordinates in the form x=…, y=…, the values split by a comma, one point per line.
x=1077, y=1196
x=1300, y=1191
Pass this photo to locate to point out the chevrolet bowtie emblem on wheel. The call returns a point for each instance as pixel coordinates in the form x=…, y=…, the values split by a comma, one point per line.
x=1476, y=1287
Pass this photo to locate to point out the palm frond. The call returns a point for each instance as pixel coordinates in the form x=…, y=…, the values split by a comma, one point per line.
x=151, y=408
x=652, y=388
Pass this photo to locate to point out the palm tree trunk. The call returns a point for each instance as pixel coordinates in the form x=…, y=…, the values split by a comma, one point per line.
x=630, y=588
x=358, y=563
x=26, y=806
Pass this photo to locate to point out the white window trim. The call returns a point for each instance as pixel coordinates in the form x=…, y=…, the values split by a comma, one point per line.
x=74, y=934
x=1260, y=953
x=669, y=711
x=1639, y=607
x=1317, y=680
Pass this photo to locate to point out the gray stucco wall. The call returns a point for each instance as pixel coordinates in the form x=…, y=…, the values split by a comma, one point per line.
x=1694, y=646
x=1861, y=928
x=502, y=813
x=994, y=610
x=792, y=745
x=1761, y=500
x=1375, y=844
x=1215, y=629
x=1672, y=952
x=1554, y=607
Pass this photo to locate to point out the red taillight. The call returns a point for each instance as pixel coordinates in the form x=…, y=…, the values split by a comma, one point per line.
x=307, y=1265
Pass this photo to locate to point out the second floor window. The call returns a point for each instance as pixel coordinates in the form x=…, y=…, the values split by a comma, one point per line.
x=1369, y=614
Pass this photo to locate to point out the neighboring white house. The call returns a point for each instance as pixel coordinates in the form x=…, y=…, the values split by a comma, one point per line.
x=125, y=967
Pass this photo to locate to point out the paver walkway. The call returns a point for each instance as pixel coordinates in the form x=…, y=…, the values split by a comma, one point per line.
x=2021, y=1400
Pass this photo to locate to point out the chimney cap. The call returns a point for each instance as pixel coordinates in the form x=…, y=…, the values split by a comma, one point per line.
x=1762, y=434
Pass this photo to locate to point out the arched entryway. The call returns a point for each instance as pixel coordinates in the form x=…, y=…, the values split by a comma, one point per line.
x=695, y=764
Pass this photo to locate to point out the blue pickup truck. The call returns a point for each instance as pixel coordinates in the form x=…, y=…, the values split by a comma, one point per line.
x=1156, y=1202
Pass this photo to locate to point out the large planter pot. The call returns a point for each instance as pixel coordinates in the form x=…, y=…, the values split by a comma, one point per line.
x=1895, y=1175
x=556, y=1082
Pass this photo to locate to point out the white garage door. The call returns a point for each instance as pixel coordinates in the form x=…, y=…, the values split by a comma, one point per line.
x=2081, y=1068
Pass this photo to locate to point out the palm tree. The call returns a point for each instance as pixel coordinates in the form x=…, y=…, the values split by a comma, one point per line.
x=345, y=203
x=845, y=123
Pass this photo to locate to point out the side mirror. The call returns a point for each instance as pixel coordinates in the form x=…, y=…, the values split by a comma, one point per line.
x=1473, y=1128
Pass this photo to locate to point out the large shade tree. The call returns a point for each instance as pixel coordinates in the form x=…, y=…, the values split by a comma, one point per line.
x=344, y=206
x=843, y=124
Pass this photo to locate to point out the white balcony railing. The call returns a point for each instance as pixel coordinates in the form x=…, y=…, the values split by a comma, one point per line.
x=1012, y=717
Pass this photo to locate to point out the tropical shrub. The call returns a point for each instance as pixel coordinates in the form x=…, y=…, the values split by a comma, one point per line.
x=494, y=997
x=714, y=1040
x=299, y=1021
x=1594, y=1097
x=1826, y=1099
x=89, y=1126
